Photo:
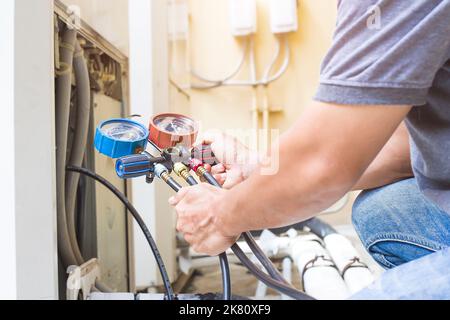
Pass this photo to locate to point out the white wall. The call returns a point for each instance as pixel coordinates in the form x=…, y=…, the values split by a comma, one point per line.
x=7, y=192
x=149, y=95
x=28, y=269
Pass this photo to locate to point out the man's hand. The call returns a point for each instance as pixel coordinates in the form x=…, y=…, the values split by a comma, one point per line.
x=236, y=160
x=198, y=209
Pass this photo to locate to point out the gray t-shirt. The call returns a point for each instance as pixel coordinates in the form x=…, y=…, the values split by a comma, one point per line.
x=397, y=52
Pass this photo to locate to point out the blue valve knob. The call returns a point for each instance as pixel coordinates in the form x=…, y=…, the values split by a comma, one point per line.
x=134, y=166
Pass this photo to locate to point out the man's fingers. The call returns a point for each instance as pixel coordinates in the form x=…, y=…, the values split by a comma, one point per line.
x=209, y=137
x=173, y=201
x=189, y=238
x=221, y=178
x=217, y=169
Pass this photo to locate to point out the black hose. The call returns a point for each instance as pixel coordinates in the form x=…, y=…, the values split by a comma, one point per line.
x=319, y=227
x=211, y=180
x=226, y=278
x=257, y=251
x=271, y=281
x=191, y=181
x=223, y=259
x=173, y=184
x=162, y=269
x=263, y=259
x=267, y=280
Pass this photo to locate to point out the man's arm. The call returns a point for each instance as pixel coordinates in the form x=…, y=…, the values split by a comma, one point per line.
x=392, y=164
x=321, y=158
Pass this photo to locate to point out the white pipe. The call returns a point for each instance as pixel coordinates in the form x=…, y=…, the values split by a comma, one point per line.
x=255, y=108
x=266, y=120
x=287, y=274
x=343, y=253
x=261, y=291
x=321, y=279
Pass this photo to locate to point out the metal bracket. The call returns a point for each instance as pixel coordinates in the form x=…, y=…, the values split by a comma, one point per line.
x=82, y=278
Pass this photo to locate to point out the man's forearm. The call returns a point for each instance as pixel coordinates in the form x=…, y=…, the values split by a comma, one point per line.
x=392, y=164
x=321, y=158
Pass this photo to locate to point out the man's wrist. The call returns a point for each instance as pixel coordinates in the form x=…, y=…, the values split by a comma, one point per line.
x=227, y=219
x=250, y=164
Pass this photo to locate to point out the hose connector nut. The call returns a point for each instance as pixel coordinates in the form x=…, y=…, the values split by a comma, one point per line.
x=160, y=170
x=195, y=164
x=181, y=170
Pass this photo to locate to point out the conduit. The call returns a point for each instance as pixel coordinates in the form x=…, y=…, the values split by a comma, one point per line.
x=83, y=100
x=63, y=95
x=70, y=54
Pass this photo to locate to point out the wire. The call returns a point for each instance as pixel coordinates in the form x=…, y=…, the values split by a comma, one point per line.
x=228, y=77
x=267, y=79
x=274, y=60
x=284, y=67
x=162, y=269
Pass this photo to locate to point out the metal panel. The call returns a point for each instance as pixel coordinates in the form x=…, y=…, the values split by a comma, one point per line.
x=111, y=214
x=28, y=219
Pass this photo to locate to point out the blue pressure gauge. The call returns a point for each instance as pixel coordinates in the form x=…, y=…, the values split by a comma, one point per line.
x=117, y=138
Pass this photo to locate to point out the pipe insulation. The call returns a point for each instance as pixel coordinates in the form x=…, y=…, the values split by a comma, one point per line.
x=63, y=95
x=319, y=227
x=321, y=279
x=356, y=274
x=83, y=100
x=287, y=274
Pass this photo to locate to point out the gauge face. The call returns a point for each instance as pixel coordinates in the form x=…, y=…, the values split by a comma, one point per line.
x=170, y=129
x=177, y=125
x=123, y=131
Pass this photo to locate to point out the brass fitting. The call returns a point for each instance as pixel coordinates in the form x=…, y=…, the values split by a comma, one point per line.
x=181, y=170
x=165, y=176
x=201, y=171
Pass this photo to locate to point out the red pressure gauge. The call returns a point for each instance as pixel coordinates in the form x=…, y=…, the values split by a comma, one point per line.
x=171, y=129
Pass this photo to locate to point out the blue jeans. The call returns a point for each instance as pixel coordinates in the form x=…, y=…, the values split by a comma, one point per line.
x=397, y=224
x=427, y=278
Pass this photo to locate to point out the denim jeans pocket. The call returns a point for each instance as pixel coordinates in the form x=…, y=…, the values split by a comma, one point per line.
x=394, y=249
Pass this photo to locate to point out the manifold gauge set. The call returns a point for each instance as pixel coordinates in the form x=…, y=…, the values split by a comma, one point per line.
x=170, y=135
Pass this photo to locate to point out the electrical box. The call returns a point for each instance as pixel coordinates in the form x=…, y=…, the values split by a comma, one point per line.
x=242, y=17
x=283, y=16
x=178, y=17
